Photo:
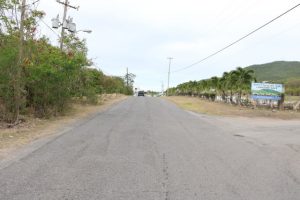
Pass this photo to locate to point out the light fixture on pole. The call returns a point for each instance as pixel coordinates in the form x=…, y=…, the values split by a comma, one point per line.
x=85, y=31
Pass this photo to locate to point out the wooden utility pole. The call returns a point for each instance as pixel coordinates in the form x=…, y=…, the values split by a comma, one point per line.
x=170, y=61
x=66, y=6
x=62, y=29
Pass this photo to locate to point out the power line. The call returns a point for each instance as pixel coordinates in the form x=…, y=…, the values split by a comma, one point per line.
x=33, y=3
x=49, y=27
x=237, y=41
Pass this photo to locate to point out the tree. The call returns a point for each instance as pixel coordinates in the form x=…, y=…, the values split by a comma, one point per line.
x=231, y=83
x=224, y=85
x=17, y=28
x=129, y=81
x=243, y=79
x=37, y=77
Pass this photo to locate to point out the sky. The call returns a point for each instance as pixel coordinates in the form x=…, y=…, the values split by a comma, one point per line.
x=141, y=34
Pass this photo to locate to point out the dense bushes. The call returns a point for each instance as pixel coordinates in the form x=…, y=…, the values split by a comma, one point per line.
x=8, y=79
x=50, y=79
x=41, y=79
x=293, y=87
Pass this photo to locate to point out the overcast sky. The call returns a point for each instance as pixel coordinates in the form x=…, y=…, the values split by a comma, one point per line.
x=141, y=34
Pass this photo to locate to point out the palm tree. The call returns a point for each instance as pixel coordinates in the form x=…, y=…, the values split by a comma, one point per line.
x=223, y=85
x=230, y=84
x=205, y=87
x=236, y=81
x=244, y=77
x=214, y=81
x=192, y=87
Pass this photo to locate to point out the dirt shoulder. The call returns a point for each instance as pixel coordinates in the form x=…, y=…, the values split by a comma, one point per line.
x=214, y=108
x=33, y=129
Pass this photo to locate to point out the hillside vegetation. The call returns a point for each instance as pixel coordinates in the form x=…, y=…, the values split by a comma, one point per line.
x=280, y=71
x=284, y=72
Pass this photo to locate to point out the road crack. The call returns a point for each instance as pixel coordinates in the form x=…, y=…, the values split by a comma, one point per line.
x=165, y=178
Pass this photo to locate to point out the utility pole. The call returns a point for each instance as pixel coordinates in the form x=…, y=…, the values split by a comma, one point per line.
x=170, y=61
x=66, y=6
x=127, y=76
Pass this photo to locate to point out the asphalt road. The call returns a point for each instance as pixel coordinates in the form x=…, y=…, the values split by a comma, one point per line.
x=147, y=149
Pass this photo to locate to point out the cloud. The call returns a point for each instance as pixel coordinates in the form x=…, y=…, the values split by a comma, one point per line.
x=142, y=34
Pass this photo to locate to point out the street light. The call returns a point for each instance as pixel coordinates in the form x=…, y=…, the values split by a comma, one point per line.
x=85, y=31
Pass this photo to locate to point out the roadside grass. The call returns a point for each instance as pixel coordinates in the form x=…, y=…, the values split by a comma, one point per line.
x=34, y=128
x=215, y=108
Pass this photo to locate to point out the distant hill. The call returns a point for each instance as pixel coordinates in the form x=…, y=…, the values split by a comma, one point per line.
x=280, y=71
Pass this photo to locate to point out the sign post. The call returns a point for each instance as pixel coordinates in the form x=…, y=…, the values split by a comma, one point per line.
x=268, y=91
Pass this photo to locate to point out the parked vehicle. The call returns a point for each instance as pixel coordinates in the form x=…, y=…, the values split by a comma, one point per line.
x=141, y=93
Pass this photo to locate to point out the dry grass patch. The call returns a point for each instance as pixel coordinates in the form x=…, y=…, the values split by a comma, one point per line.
x=213, y=108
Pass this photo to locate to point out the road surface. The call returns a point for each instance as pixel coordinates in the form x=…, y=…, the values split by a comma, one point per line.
x=147, y=148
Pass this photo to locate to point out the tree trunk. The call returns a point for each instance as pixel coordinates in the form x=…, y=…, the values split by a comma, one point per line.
x=231, y=97
x=240, y=98
x=281, y=103
x=17, y=85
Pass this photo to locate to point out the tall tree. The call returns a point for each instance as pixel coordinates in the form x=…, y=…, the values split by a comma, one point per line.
x=129, y=81
x=243, y=79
